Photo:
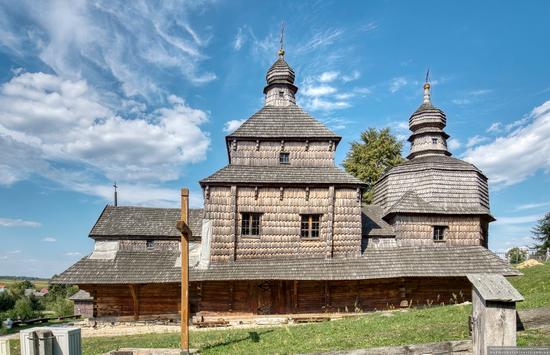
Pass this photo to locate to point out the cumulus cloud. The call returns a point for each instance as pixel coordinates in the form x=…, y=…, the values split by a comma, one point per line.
x=318, y=104
x=454, y=143
x=354, y=75
x=65, y=121
x=231, y=126
x=328, y=76
x=526, y=148
x=60, y=129
x=475, y=140
x=320, y=90
x=9, y=222
x=495, y=127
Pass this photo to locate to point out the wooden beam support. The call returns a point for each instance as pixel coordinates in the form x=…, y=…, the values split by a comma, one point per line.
x=184, y=318
x=134, y=291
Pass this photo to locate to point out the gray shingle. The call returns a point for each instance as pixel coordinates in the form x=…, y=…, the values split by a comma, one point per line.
x=283, y=122
x=280, y=175
x=159, y=267
x=130, y=221
x=373, y=224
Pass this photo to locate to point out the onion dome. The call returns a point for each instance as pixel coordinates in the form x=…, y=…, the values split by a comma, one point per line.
x=427, y=124
x=280, y=89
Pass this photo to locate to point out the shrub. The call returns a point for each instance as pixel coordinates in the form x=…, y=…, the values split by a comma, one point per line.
x=61, y=307
x=7, y=301
x=26, y=308
x=516, y=255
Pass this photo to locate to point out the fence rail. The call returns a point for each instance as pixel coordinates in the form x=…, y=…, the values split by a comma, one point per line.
x=529, y=253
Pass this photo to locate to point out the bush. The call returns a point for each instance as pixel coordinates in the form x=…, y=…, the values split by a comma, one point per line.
x=26, y=308
x=7, y=301
x=61, y=307
x=18, y=288
x=516, y=255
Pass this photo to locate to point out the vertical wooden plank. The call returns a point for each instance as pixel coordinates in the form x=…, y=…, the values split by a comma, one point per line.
x=330, y=224
x=235, y=220
x=134, y=290
x=295, y=293
x=184, y=320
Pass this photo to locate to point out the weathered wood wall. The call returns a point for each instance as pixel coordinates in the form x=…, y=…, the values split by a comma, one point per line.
x=281, y=297
x=415, y=230
x=141, y=245
x=340, y=228
x=266, y=153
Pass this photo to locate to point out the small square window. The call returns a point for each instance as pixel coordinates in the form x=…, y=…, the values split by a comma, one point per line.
x=439, y=233
x=310, y=225
x=250, y=224
x=284, y=158
x=281, y=94
x=434, y=140
x=150, y=244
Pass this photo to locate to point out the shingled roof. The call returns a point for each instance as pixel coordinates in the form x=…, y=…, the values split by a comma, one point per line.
x=130, y=221
x=159, y=267
x=281, y=175
x=373, y=223
x=283, y=122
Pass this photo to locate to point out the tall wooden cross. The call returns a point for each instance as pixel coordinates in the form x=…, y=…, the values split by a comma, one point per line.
x=183, y=227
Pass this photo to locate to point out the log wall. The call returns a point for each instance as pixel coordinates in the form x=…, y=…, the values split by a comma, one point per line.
x=281, y=296
x=264, y=153
x=340, y=227
x=416, y=230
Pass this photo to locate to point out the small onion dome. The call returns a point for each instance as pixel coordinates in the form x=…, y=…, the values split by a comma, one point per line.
x=280, y=73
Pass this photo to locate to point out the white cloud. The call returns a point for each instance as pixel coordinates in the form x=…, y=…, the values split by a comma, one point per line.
x=495, y=127
x=49, y=239
x=529, y=206
x=64, y=121
x=328, y=76
x=8, y=222
x=354, y=75
x=396, y=84
x=104, y=38
x=454, y=144
x=320, y=39
x=462, y=101
x=514, y=157
x=231, y=126
x=517, y=220
x=240, y=39
x=61, y=130
x=475, y=140
x=73, y=253
x=316, y=91
x=317, y=104
x=12, y=252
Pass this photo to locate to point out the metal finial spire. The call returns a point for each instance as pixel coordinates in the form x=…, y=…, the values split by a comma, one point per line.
x=282, y=40
x=116, y=194
x=427, y=88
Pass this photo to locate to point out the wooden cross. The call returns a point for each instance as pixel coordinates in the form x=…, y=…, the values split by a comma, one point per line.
x=183, y=227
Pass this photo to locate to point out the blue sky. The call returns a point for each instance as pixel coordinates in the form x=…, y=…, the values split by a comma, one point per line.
x=144, y=92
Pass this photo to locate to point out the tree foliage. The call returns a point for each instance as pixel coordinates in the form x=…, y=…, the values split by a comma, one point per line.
x=516, y=255
x=18, y=288
x=7, y=301
x=368, y=158
x=541, y=234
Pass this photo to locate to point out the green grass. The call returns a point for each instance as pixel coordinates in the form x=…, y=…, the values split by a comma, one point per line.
x=534, y=285
x=413, y=326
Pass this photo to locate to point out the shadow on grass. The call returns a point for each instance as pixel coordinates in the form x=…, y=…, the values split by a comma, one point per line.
x=252, y=336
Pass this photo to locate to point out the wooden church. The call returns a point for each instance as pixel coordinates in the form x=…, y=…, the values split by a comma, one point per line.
x=284, y=230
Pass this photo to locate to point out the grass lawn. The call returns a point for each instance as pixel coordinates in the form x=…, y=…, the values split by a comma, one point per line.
x=414, y=326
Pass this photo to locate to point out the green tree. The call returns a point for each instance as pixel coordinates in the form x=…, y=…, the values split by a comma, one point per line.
x=25, y=308
x=542, y=234
x=516, y=255
x=7, y=301
x=368, y=158
x=18, y=288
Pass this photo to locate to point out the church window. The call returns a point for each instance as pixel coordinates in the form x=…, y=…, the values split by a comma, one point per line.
x=250, y=224
x=150, y=244
x=284, y=158
x=281, y=94
x=439, y=233
x=310, y=226
x=434, y=140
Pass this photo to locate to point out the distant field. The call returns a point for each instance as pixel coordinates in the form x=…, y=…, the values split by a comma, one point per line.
x=38, y=284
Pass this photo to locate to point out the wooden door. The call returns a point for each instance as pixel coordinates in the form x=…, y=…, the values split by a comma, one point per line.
x=264, y=297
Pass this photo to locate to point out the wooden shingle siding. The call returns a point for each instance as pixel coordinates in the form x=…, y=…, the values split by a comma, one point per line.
x=265, y=153
x=218, y=209
x=414, y=230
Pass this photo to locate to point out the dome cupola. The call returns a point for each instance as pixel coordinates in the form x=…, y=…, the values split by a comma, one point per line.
x=280, y=89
